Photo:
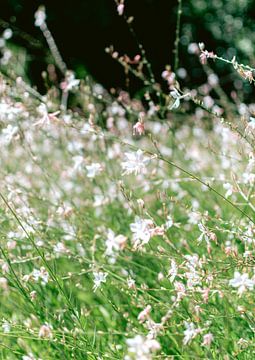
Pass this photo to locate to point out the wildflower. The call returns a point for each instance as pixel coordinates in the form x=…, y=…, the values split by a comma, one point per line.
x=207, y=339
x=172, y=273
x=205, y=54
x=8, y=133
x=145, y=314
x=242, y=282
x=45, y=331
x=114, y=243
x=78, y=162
x=169, y=76
x=30, y=356
x=99, y=278
x=177, y=97
x=60, y=248
x=180, y=288
x=141, y=348
x=169, y=223
x=46, y=118
x=245, y=74
x=193, y=48
x=120, y=8
x=33, y=295
x=141, y=230
x=6, y=327
x=138, y=128
x=190, y=333
x=251, y=122
x=41, y=274
x=131, y=283
x=70, y=82
x=7, y=34
x=229, y=188
x=135, y=164
x=93, y=170
x=40, y=16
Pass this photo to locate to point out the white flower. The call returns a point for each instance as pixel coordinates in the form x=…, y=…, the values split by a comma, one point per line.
x=177, y=97
x=78, y=163
x=141, y=348
x=207, y=339
x=40, y=16
x=169, y=223
x=172, y=273
x=99, y=278
x=204, y=234
x=136, y=163
x=45, y=117
x=70, y=82
x=41, y=274
x=141, y=230
x=93, y=170
x=251, y=123
x=229, y=188
x=60, y=248
x=6, y=327
x=45, y=331
x=7, y=34
x=114, y=243
x=190, y=333
x=8, y=133
x=242, y=282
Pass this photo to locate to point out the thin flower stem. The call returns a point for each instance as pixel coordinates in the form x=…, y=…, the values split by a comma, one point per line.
x=177, y=36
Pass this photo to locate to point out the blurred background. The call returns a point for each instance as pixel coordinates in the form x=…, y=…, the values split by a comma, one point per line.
x=84, y=28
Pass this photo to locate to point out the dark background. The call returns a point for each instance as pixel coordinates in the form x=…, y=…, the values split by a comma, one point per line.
x=84, y=28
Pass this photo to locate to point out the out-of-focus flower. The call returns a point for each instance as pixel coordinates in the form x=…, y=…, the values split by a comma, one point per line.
x=207, y=339
x=190, y=332
x=242, y=282
x=93, y=170
x=141, y=348
x=40, y=16
x=138, y=128
x=45, y=331
x=70, y=82
x=120, y=8
x=135, y=163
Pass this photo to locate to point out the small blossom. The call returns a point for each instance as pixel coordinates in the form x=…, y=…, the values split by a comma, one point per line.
x=114, y=243
x=141, y=348
x=141, y=230
x=41, y=274
x=136, y=163
x=190, y=333
x=46, y=117
x=229, y=187
x=93, y=170
x=40, y=16
x=99, y=278
x=145, y=314
x=6, y=327
x=242, y=282
x=207, y=339
x=45, y=331
x=172, y=273
x=120, y=9
x=70, y=82
x=138, y=128
x=8, y=134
